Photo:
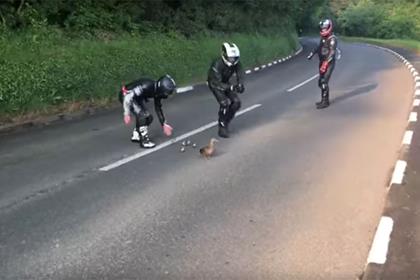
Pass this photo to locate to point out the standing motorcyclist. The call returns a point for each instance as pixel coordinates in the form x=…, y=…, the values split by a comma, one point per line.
x=134, y=95
x=326, y=51
x=219, y=81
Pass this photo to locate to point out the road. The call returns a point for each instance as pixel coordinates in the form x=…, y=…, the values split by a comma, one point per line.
x=295, y=193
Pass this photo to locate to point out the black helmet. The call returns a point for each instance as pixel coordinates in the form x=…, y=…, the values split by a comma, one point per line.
x=165, y=86
x=325, y=27
x=230, y=54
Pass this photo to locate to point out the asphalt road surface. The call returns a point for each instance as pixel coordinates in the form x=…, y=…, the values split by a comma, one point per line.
x=295, y=193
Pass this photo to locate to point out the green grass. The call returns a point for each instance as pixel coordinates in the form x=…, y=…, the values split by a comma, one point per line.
x=46, y=71
x=412, y=45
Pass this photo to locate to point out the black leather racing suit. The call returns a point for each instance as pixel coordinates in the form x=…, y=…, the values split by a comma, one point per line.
x=220, y=80
x=137, y=94
x=326, y=51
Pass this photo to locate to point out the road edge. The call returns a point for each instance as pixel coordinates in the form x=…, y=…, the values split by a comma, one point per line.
x=378, y=252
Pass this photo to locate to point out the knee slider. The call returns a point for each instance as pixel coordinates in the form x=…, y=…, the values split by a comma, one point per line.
x=149, y=119
x=224, y=103
x=236, y=105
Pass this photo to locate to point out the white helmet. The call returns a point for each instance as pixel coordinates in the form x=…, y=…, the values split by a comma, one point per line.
x=230, y=54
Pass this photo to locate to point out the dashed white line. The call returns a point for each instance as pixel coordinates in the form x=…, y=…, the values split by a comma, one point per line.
x=408, y=136
x=303, y=83
x=398, y=174
x=413, y=117
x=184, y=89
x=416, y=102
x=379, y=250
x=170, y=142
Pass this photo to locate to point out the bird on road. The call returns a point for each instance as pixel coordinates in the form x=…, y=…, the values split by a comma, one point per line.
x=208, y=151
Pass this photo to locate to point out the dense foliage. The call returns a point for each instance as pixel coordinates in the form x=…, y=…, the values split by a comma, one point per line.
x=378, y=18
x=186, y=16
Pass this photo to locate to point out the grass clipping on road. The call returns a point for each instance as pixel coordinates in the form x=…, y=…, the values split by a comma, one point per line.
x=49, y=72
x=412, y=45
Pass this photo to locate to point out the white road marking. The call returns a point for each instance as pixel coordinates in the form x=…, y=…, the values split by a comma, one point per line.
x=184, y=89
x=170, y=142
x=416, y=102
x=408, y=136
x=303, y=83
x=413, y=117
x=248, y=72
x=379, y=250
x=398, y=174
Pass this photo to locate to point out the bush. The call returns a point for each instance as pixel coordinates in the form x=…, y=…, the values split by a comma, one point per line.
x=371, y=19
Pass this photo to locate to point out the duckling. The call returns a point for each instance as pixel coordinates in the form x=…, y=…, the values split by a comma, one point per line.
x=208, y=151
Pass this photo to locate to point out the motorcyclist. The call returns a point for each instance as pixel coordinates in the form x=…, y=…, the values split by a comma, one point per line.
x=133, y=97
x=326, y=51
x=225, y=80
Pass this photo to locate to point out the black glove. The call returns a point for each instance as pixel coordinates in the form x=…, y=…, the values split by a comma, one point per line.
x=240, y=88
x=310, y=56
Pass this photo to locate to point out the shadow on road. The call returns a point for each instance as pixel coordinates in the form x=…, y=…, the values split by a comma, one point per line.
x=355, y=92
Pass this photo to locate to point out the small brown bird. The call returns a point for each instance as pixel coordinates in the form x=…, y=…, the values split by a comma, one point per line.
x=208, y=151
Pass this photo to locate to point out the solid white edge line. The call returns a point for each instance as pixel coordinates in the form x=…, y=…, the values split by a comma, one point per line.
x=303, y=83
x=413, y=117
x=248, y=72
x=416, y=102
x=184, y=89
x=170, y=142
x=408, y=136
x=398, y=174
x=379, y=250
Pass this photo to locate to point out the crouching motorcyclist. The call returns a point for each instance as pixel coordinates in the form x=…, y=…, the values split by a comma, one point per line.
x=133, y=97
x=219, y=81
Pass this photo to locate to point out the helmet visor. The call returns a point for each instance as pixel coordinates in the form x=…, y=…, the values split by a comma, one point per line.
x=233, y=59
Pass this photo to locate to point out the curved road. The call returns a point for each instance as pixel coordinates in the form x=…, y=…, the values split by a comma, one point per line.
x=295, y=193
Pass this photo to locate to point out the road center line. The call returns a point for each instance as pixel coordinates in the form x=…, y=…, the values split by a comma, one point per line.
x=303, y=83
x=169, y=142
